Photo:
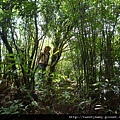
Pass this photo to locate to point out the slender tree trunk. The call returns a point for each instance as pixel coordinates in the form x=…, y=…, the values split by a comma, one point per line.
x=0, y=61
x=8, y=47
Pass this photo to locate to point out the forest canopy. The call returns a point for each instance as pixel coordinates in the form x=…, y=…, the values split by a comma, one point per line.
x=84, y=71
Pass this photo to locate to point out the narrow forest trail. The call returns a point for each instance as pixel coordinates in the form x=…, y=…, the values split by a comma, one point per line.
x=62, y=98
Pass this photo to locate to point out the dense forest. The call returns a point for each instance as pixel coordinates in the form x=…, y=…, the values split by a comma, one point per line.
x=84, y=72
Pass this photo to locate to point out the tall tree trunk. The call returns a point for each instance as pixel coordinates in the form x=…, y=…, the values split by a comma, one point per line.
x=54, y=60
x=0, y=60
x=9, y=48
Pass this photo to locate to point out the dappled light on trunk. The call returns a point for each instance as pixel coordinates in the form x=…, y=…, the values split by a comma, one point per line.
x=60, y=57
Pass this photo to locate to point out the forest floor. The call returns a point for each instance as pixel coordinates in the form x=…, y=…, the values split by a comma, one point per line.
x=62, y=99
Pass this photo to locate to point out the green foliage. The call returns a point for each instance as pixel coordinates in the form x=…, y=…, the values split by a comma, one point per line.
x=85, y=59
x=13, y=108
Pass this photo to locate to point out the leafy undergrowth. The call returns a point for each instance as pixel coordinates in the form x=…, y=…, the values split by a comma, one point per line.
x=55, y=100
